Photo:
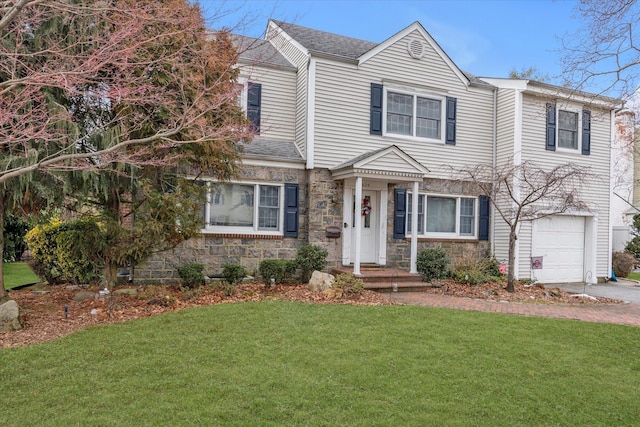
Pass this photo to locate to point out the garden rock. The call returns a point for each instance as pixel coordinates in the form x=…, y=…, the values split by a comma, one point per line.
x=320, y=281
x=9, y=317
x=81, y=296
x=126, y=291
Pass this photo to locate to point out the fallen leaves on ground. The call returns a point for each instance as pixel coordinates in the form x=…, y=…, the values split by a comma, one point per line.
x=42, y=309
x=536, y=294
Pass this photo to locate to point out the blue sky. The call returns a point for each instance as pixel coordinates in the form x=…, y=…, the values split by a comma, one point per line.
x=485, y=38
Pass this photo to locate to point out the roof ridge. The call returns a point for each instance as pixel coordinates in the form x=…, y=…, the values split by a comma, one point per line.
x=277, y=22
x=324, y=42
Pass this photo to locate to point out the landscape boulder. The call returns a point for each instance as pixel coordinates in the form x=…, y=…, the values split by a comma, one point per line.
x=320, y=281
x=9, y=316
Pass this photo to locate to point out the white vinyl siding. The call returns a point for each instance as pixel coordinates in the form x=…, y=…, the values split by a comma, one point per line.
x=531, y=133
x=277, y=103
x=300, y=60
x=342, y=111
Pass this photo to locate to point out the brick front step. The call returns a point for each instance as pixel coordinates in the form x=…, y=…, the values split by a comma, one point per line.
x=382, y=279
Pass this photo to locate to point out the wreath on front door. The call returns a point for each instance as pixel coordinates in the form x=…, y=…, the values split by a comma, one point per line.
x=366, y=207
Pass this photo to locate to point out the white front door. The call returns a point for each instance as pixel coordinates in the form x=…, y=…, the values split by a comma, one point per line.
x=369, y=210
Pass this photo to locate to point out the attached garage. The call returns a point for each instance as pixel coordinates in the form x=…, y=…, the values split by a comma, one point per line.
x=560, y=243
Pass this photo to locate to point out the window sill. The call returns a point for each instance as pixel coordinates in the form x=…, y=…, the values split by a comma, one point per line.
x=575, y=151
x=446, y=240
x=243, y=236
x=401, y=137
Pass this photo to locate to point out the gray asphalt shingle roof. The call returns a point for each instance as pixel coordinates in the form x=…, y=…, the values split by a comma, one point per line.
x=277, y=150
x=328, y=43
x=254, y=50
x=322, y=42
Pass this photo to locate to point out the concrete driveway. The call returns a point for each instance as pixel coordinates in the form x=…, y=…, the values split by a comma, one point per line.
x=623, y=289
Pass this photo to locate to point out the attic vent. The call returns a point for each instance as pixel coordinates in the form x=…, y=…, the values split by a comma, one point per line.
x=416, y=48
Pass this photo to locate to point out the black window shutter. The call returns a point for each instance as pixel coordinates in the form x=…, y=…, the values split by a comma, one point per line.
x=399, y=212
x=375, y=124
x=586, y=132
x=551, y=127
x=290, y=210
x=483, y=217
x=254, y=98
x=451, y=121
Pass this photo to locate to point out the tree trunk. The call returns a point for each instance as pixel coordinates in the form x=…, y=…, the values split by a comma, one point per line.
x=110, y=274
x=4, y=295
x=110, y=270
x=512, y=260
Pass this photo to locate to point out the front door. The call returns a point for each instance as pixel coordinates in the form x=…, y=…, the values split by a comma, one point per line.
x=368, y=209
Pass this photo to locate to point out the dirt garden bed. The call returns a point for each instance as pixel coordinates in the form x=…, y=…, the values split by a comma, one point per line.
x=44, y=316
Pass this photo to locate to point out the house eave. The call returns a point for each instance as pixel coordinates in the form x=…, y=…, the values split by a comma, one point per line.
x=389, y=176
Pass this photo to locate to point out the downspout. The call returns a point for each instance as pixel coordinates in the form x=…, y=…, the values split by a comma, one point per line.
x=494, y=147
x=311, y=112
x=612, y=136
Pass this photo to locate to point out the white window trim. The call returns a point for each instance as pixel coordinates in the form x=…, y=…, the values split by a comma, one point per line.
x=221, y=229
x=577, y=150
x=244, y=82
x=456, y=235
x=415, y=93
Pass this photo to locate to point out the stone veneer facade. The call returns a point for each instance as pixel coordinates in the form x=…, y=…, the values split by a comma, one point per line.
x=320, y=206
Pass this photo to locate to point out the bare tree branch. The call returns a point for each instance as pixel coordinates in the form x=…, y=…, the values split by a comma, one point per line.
x=603, y=55
x=525, y=192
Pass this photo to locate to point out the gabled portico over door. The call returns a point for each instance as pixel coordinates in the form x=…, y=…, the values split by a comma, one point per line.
x=366, y=186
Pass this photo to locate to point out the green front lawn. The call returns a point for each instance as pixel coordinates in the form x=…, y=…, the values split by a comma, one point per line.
x=634, y=275
x=279, y=363
x=18, y=274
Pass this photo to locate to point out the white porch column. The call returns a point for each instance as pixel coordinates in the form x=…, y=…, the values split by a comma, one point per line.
x=357, y=226
x=414, y=228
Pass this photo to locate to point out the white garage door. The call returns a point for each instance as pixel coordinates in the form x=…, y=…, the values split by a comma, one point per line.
x=559, y=240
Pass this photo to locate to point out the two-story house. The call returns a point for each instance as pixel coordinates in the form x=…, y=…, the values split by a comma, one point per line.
x=355, y=146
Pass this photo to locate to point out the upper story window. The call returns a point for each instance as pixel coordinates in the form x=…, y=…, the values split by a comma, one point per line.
x=250, y=99
x=568, y=130
x=412, y=114
x=443, y=216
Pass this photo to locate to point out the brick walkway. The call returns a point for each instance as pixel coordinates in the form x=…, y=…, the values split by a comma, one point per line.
x=624, y=314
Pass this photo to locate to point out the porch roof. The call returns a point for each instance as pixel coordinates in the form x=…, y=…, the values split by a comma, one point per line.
x=388, y=163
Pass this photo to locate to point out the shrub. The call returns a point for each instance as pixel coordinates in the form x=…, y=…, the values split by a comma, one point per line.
x=633, y=247
x=311, y=258
x=280, y=270
x=15, y=229
x=70, y=251
x=232, y=274
x=473, y=270
x=191, y=275
x=80, y=250
x=42, y=243
x=623, y=263
x=433, y=263
x=349, y=284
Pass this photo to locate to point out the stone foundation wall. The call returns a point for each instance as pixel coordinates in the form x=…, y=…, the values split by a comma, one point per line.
x=325, y=201
x=320, y=206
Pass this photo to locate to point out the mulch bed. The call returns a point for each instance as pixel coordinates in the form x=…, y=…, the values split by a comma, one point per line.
x=535, y=294
x=43, y=314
